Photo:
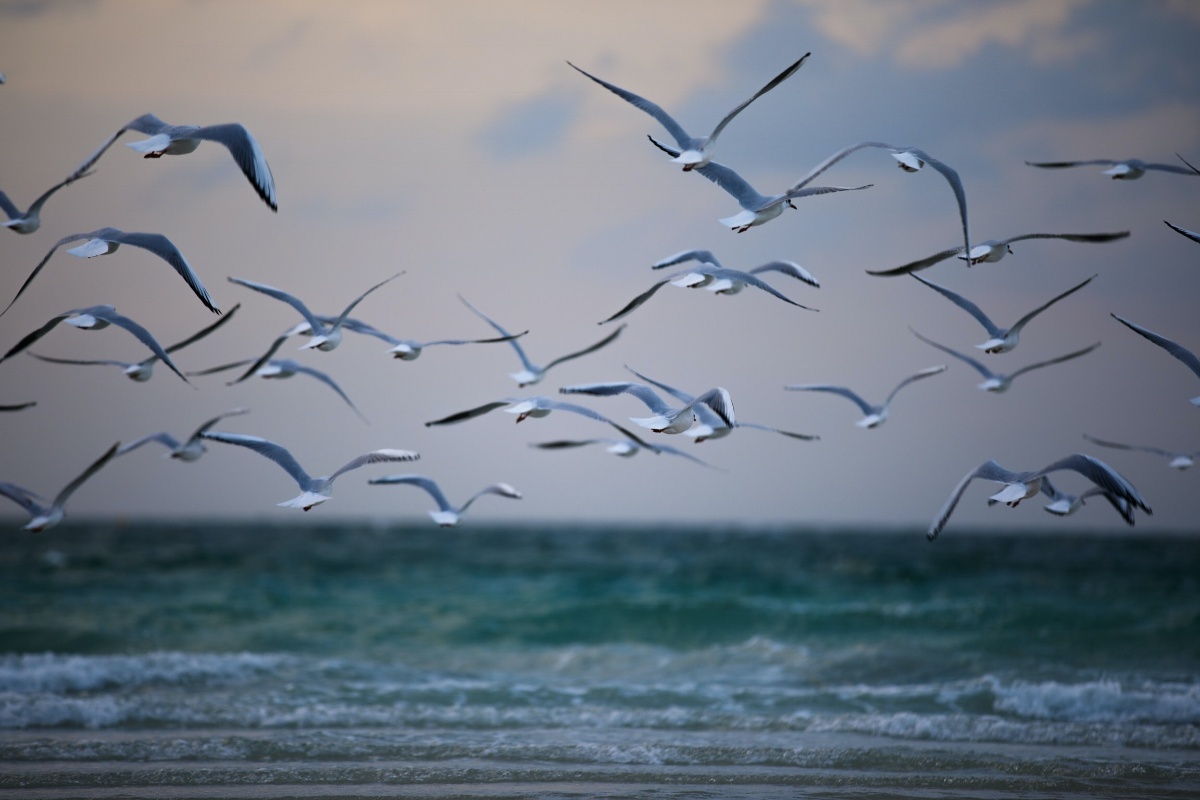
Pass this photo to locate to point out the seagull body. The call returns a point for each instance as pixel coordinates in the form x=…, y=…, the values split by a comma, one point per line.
x=177, y=140
x=695, y=151
x=994, y=250
x=1019, y=486
x=532, y=373
x=446, y=515
x=42, y=516
x=314, y=491
x=142, y=371
x=874, y=415
x=189, y=449
x=411, y=349
x=725, y=286
x=106, y=240
x=666, y=419
x=758, y=209
x=1128, y=170
x=323, y=336
x=1174, y=348
x=995, y=381
x=97, y=318
x=30, y=220
x=704, y=275
x=1178, y=460
x=1002, y=339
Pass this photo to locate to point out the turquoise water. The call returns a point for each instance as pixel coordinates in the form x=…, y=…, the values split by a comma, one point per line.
x=360, y=660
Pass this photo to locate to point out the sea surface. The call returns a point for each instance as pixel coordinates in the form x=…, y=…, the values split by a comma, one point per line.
x=573, y=661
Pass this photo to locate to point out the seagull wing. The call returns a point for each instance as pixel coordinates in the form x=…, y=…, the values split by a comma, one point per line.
x=65, y=240
x=1019, y=324
x=666, y=120
x=1100, y=474
x=110, y=314
x=989, y=470
x=919, y=264
x=1195, y=237
x=470, y=413
x=525, y=362
x=248, y=155
x=778, y=79
x=637, y=301
x=1175, y=349
x=966, y=359
x=265, y=447
x=589, y=349
x=376, y=457
x=296, y=366
x=753, y=280
x=703, y=256
x=789, y=268
x=1070, y=237
x=165, y=439
x=146, y=123
x=849, y=394
x=1058, y=360
x=925, y=373
x=60, y=499
x=420, y=481
x=966, y=305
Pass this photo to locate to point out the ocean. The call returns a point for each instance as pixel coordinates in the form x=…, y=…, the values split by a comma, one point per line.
x=573, y=661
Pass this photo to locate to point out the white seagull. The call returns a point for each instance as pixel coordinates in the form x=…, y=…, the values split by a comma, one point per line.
x=314, y=491
x=874, y=415
x=1179, y=351
x=1003, y=339
x=666, y=419
x=993, y=250
x=1127, y=170
x=177, y=140
x=446, y=515
x=142, y=371
x=411, y=349
x=1063, y=505
x=94, y=318
x=30, y=220
x=758, y=208
x=1179, y=460
x=623, y=448
x=532, y=373
x=191, y=448
x=700, y=276
x=789, y=268
x=997, y=382
x=536, y=406
x=103, y=241
x=44, y=516
x=1019, y=486
x=324, y=336
x=695, y=151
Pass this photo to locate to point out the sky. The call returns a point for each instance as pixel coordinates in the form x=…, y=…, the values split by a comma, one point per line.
x=452, y=141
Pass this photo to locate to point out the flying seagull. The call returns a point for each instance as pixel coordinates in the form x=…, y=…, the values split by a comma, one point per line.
x=874, y=415
x=993, y=250
x=666, y=419
x=314, y=491
x=535, y=406
x=446, y=515
x=103, y=241
x=142, y=371
x=1179, y=460
x=1003, y=339
x=1128, y=170
x=789, y=268
x=624, y=448
x=758, y=208
x=995, y=381
x=177, y=140
x=42, y=516
x=95, y=318
x=1019, y=486
x=695, y=151
x=191, y=448
x=411, y=349
x=532, y=373
x=324, y=336
x=1179, y=351
x=30, y=220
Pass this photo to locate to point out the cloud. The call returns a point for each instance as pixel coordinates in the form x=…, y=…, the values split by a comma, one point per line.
x=533, y=125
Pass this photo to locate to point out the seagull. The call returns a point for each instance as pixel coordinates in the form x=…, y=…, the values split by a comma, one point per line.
x=1128, y=170
x=1003, y=339
x=696, y=151
x=624, y=448
x=177, y=140
x=532, y=373
x=142, y=371
x=536, y=406
x=666, y=419
x=1019, y=486
x=1179, y=351
x=188, y=450
x=993, y=250
x=995, y=381
x=43, y=516
x=708, y=425
x=325, y=336
x=314, y=491
x=95, y=318
x=874, y=415
x=1180, y=461
x=446, y=515
x=31, y=219
x=699, y=276
x=757, y=208
x=1193, y=235
x=789, y=268
x=410, y=349
x=106, y=240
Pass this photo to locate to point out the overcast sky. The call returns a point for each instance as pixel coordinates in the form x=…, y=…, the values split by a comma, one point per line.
x=452, y=141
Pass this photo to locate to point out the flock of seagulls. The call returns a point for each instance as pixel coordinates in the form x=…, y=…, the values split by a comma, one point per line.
x=695, y=417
